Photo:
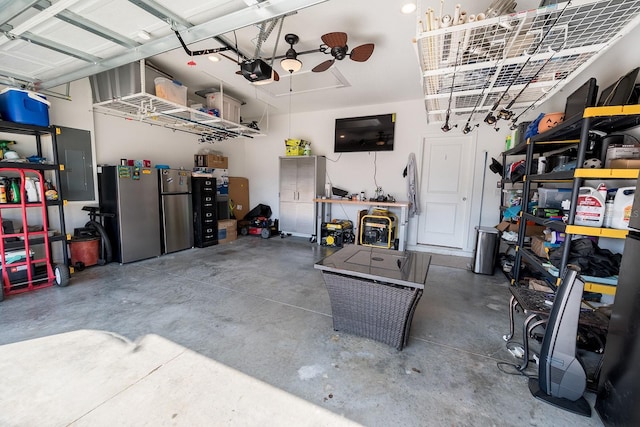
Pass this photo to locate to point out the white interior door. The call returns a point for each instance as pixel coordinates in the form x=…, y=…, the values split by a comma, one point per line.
x=445, y=191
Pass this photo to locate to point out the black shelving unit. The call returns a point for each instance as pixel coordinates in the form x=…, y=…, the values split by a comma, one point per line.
x=574, y=132
x=41, y=272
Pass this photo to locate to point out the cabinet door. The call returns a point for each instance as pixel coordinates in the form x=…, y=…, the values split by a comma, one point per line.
x=288, y=180
x=305, y=218
x=74, y=152
x=288, y=216
x=306, y=179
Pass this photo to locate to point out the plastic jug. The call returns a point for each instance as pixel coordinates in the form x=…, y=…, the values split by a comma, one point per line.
x=622, y=206
x=590, y=207
x=30, y=190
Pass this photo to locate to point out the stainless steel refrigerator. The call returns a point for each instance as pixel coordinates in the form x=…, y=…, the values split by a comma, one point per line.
x=176, y=212
x=619, y=384
x=131, y=195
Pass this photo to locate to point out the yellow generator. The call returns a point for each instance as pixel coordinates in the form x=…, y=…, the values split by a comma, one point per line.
x=337, y=233
x=378, y=229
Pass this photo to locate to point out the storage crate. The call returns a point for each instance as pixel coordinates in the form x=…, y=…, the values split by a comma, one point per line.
x=553, y=197
x=18, y=273
x=294, y=151
x=171, y=91
x=229, y=108
x=123, y=81
x=23, y=106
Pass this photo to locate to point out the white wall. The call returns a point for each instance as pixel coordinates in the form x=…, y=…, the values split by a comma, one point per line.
x=354, y=172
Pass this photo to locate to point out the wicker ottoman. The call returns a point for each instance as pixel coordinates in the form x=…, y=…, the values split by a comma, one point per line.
x=372, y=309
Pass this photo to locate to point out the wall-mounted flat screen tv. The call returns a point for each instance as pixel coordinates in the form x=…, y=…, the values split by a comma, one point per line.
x=367, y=133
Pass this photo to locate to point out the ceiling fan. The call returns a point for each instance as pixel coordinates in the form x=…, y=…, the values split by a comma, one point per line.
x=335, y=44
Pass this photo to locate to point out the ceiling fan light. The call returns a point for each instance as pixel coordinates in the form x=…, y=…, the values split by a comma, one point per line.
x=291, y=64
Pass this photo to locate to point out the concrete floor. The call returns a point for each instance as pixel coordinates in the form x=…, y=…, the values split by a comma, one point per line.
x=258, y=306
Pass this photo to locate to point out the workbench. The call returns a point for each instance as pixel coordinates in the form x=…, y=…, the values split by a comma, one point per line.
x=323, y=213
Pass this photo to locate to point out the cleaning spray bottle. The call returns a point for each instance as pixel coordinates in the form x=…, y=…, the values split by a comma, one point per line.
x=4, y=146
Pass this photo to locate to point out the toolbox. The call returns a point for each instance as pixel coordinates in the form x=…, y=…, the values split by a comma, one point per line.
x=336, y=233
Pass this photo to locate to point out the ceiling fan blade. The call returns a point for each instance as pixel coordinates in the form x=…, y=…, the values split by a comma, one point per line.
x=276, y=76
x=323, y=66
x=362, y=52
x=335, y=39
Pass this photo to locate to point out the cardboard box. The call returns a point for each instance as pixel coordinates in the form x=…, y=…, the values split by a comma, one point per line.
x=294, y=151
x=239, y=195
x=227, y=230
x=531, y=230
x=538, y=247
x=622, y=152
x=625, y=164
x=295, y=142
x=212, y=161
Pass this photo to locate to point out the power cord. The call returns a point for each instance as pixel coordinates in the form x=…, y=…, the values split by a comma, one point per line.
x=501, y=365
x=375, y=168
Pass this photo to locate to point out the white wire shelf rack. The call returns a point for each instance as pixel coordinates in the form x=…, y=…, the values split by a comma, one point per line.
x=156, y=111
x=528, y=55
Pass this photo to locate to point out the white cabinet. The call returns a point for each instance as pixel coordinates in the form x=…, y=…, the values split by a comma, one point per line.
x=302, y=179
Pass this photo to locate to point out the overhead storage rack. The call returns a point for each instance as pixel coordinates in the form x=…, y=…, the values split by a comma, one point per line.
x=494, y=59
x=123, y=92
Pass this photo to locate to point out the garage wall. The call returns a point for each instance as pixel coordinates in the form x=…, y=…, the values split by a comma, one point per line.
x=257, y=159
x=114, y=138
x=356, y=172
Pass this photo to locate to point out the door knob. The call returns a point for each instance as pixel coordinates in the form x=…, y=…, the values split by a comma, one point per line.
x=464, y=199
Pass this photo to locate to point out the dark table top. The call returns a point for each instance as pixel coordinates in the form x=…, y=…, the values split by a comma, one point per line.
x=406, y=268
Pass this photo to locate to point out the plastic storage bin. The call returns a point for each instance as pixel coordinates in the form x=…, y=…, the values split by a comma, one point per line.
x=18, y=273
x=553, y=197
x=23, y=106
x=228, y=107
x=171, y=91
x=123, y=81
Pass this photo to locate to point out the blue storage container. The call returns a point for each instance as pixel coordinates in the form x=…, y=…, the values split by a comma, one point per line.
x=23, y=106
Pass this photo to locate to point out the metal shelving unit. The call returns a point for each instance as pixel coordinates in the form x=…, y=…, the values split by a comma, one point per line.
x=506, y=52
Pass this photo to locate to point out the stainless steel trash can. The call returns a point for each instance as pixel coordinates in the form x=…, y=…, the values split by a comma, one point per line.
x=486, y=252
